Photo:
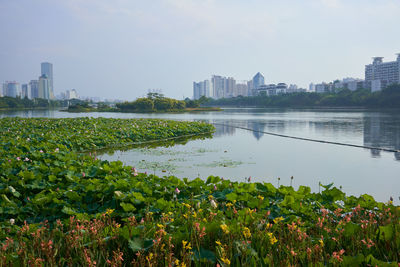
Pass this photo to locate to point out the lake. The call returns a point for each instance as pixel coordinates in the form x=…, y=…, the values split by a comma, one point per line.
x=238, y=154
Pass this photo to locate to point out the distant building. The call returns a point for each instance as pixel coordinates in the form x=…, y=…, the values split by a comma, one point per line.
x=11, y=89
x=34, y=85
x=47, y=69
x=201, y=89
x=241, y=89
x=311, y=88
x=71, y=94
x=379, y=75
x=25, y=91
x=218, y=86
x=257, y=81
x=230, y=87
x=323, y=87
x=44, y=87
x=349, y=83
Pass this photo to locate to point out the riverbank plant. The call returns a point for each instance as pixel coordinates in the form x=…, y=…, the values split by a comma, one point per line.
x=61, y=207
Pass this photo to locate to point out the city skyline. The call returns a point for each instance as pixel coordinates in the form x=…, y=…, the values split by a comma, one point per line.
x=125, y=47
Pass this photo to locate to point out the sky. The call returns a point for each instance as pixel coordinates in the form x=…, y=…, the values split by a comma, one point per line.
x=122, y=48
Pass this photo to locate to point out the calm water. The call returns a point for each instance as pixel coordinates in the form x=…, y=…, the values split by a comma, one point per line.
x=236, y=154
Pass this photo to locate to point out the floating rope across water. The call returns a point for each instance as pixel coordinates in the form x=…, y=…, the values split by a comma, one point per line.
x=309, y=139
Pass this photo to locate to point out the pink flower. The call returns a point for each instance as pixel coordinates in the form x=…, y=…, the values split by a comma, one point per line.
x=177, y=190
x=41, y=151
x=26, y=159
x=83, y=174
x=18, y=158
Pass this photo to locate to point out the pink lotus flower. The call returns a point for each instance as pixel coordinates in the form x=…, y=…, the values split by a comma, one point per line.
x=177, y=190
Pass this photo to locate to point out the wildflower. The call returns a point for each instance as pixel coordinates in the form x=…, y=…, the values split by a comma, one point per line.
x=224, y=228
x=218, y=243
x=260, y=197
x=278, y=219
x=293, y=253
x=246, y=232
x=213, y=204
x=215, y=187
x=18, y=158
x=226, y=261
x=26, y=159
x=83, y=174
x=176, y=262
x=109, y=211
x=229, y=204
x=321, y=242
x=177, y=190
x=57, y=149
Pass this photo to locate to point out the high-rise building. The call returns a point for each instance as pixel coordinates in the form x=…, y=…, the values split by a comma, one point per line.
x=47, y=69
x=218, y=86
x=257, y=81
x=34, y=85
x=230, y=87
x=11, y=89
x=44, y=87
x=25, y=91
x=379, y=75
x=241, y=89
x=201, y=89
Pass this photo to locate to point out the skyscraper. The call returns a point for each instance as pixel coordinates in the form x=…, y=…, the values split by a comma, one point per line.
x=47, y=69
x=34, y=84
x=257, y=82
x=44, y=87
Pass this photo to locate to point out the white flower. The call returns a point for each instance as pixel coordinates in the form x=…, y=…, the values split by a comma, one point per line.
x=213, y=204
x=12, y=221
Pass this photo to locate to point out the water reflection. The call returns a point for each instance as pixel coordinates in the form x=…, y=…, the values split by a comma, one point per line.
x=381, y=130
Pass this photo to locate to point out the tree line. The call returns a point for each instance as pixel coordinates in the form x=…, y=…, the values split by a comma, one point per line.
x=7, y=102
x=386, y=98
x=158, y=102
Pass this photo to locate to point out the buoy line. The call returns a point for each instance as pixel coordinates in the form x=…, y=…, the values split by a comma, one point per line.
x=309, y=139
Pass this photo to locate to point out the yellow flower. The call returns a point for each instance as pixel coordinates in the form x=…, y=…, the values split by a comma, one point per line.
x=218, y=243
x=176, y=262
x=184, y=243
x=109, y=211
x=272, y=239
x=183, y=264
x=321, y=242
x=194, y=214
x=185, y=215
x=260, y=197
x=210, y=197
x=226, y=261
x=160, y=226
x=229, y=204
x=189, y=246
x=224, y=228
x=278, y=219
x=246, y=232
x=204, y=220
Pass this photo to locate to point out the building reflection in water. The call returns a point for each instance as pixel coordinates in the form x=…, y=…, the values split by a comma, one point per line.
x=383, y=132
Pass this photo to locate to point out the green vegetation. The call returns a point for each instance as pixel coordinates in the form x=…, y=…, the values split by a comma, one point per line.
x=7, y=102
x=387, y=98
x=59, y=207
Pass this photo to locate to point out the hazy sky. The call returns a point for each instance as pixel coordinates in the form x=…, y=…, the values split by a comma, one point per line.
x=122, y=48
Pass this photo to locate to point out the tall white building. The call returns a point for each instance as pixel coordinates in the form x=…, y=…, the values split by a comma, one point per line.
x=47, y=69
x=218, y=86
x=44, y=87
x=201, y=89
x=379, y=75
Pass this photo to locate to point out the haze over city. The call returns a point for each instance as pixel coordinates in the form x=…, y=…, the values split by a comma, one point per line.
x=120, y=49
